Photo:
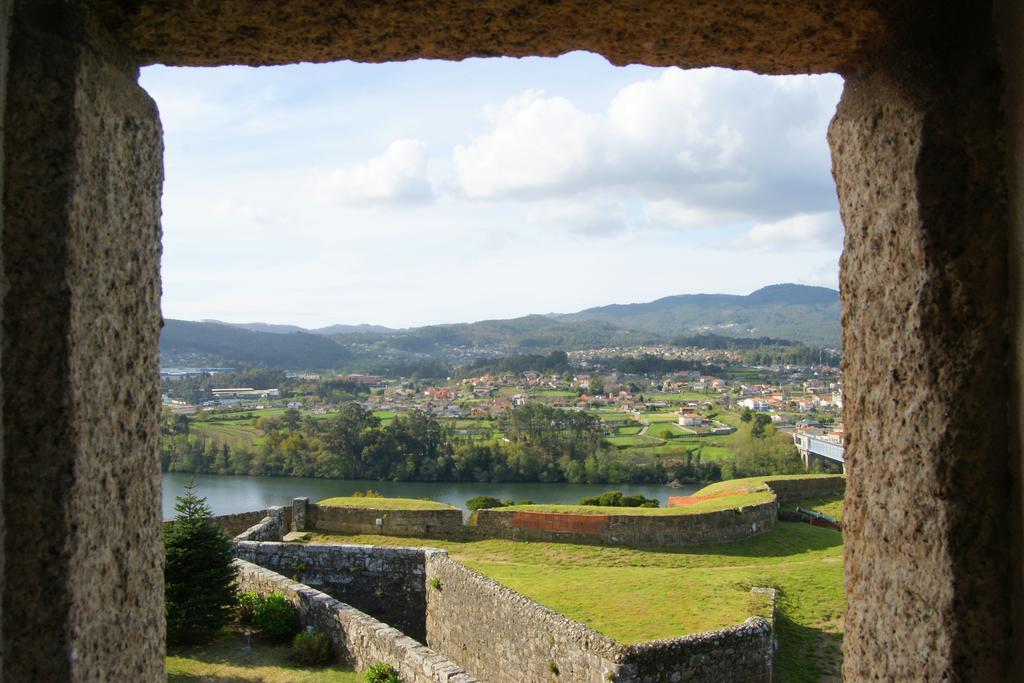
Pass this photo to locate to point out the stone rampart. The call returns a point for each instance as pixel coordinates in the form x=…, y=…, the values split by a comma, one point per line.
x=723, y=526
x=503, y=636
x=419, y=523
x=239, y=522
x=788, y=490
x=739, y=654
x=271, y=528
x=357, y=638
x=387, y=583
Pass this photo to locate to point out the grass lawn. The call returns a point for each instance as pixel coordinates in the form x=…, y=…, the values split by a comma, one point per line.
x=635, y=440
x=636, y=595
x=711, y=505
x=668, y=431
x=714, y=453
x=223, y=661
x=627, y=431
x=826, y=505
x=554, y=393
x=753, y=482
x=386, y=503
x=236, y=434
x=659, y=417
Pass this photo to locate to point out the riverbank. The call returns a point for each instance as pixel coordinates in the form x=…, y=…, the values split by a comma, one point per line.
x=231, y=494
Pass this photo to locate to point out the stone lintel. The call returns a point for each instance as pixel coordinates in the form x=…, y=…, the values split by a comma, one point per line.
x=784, y=36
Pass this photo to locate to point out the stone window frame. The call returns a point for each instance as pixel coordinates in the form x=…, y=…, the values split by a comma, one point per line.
x=929, y=274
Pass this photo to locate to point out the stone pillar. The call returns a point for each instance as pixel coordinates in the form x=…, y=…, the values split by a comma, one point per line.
x=299, y=514
x=277, y=517
x=5, y=16
x=918, y=164
x=83, y=557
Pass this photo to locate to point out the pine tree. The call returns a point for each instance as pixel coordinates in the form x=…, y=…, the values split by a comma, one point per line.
x=199, y=591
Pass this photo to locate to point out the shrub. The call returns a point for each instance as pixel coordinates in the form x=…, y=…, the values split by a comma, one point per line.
x=370, y=493
x=311, y=648
x=483, y=503
x=435, y=583
x=248, y=602
x=276, y=617
x=616, y=499
x=199, y=591
x=382, y=673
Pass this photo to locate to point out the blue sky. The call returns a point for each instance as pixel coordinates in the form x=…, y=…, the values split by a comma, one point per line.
x=427, y=192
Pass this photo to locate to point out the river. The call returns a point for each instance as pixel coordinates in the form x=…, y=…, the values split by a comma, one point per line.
x=230, y=494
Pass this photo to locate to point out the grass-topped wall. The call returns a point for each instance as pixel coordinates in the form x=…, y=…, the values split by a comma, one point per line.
x=389, y=516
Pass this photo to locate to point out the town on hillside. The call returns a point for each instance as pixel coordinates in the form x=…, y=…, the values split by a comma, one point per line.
x=656, y=413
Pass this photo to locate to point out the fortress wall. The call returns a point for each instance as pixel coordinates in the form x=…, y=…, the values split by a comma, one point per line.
x=387, y=583
x=740, y=654
x=421, y=523
x=724, y=526
x=357, y=638
x=501, y=635
x=787, y=490
x=270, y=528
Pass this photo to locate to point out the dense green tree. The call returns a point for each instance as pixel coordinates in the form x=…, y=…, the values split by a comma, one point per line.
x=199, y=592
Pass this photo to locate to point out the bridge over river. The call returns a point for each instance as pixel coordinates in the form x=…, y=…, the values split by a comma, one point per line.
x=819, y=447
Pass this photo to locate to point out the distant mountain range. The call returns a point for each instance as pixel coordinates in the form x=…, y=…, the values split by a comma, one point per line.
x=809, y=315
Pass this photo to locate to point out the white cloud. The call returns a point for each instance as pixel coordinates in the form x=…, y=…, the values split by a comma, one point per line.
x=598, y=218
x=800, y=232
x=670, y=214
x=399, y=176
x=717, y=142
x=537, y=144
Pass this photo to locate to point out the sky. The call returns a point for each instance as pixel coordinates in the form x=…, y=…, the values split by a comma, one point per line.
x=425, y=192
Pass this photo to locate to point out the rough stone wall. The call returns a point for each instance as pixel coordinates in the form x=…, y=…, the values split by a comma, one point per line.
x=387, y=583
x=5, y=16
x=239, y=522
x=785, y=36
x=1009, y=22
x=298, y=510
x=420, y=523
x=918, y=162
x=500, y=635
x=741, y=654
x=724, y=526
x=503, y=636
x=81, y=251
x=357, y=638
x=271, y=528
x=788, y=490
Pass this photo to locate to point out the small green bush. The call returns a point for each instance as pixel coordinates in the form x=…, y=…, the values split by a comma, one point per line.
x=248, y=602
x=276, y=617
x=382, y=673
x=311, y=648
x=435, y=583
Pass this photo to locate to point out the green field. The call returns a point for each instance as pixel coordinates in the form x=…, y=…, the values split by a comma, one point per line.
x=223, y=661
x=636, y=595
x=668, y=431
x=753, y=482
x=554, y=393
x=628, y=431
x=635, y=440
x=386, y=503
x=659, y=417
x=826, y=505
x=236, y=434
x=711, y=505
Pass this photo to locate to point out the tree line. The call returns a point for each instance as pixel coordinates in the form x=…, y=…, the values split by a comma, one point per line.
x=541, y=444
